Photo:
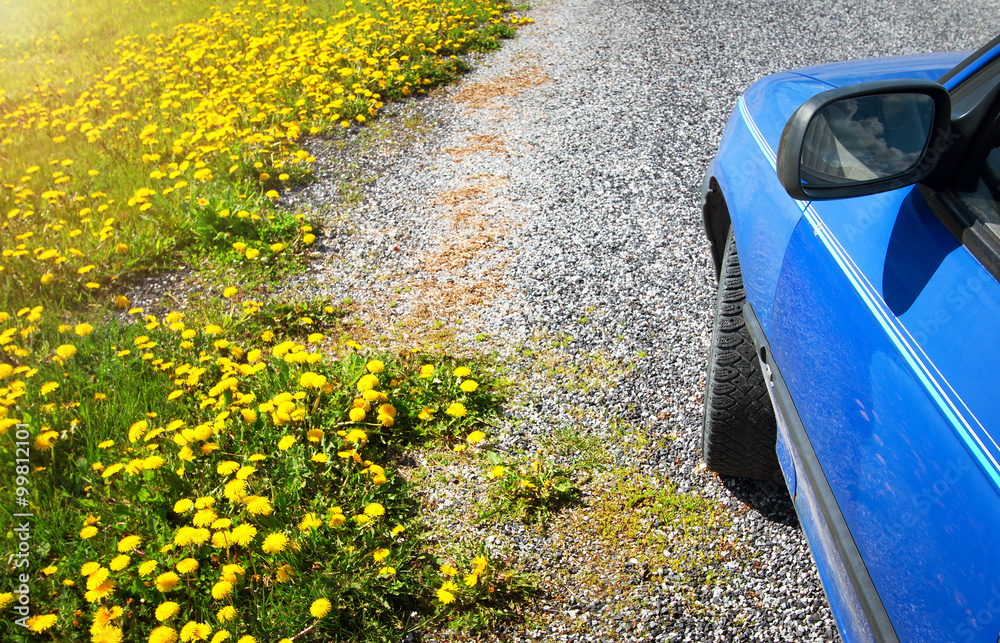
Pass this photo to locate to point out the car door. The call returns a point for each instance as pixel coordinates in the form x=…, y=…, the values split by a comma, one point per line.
x=882, y=330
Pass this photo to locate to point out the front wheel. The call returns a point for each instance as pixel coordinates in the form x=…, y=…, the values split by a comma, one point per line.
x=739, y=430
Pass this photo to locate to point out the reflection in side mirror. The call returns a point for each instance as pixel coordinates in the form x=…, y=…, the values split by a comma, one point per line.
x=866, y=139
x=863, y=139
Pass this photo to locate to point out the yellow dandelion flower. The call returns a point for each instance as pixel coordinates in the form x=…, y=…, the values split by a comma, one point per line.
x=456, y=409
x=88, y=532
x=221, y=590
x=66, y=351
x=167, y=611
x=469, y=386
x=225, y=614
x=119, y=562
x=187, y=565
x=244, y=534
x=320, y=608
x=183, y=505
x=259, y=506
x=286, y=442
x=147, y=568
x=163, y=634
x=445, y=593
x=274, y=543
x=83, y=329
x=128, y=543
x=380, y=554
x=41, y=622
x=167, y=582
x=195, y=631
x=374, y=510
x=475, y=437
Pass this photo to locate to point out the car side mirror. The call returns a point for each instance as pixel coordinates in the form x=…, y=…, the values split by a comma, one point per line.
x=864, y=139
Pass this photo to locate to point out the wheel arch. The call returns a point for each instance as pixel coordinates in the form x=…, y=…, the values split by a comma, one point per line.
x=715, y=215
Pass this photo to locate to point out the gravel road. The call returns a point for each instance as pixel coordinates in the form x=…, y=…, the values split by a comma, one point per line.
x=546, y=211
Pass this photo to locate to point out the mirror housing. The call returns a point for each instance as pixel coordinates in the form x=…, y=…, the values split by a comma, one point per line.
x=864, y=139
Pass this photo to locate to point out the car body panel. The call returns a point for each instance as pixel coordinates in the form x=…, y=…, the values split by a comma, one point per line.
x=910, y=492
x=881, y=323
x=852, y=72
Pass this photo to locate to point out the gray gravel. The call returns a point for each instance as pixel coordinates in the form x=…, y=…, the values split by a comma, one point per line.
x=547, y=209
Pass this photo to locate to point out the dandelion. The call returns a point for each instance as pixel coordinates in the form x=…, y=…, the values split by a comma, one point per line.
x=163, y=634
x=315, y=435
x=320, y=608
x=227, y=468
x=187, y=565
x=119, y=563
x=247, y=639
x=183, y=505
x=375, y=366
x=147, y=568
x=226, y=614
x=167, y=582
x=66, y=351
x=232, y=571
x=497, y=471
x=286, y=442
x=252, y=253
x=374, y=510
x=469, y=386
x=220, y=636
x=427, y=371
x=367, y=382
x=244, y=534
x=41, y=622
x=380, y=554
x=259, y=506
x=445, y=593
x=128, y=543
x=221, y=590
x=448, y=570
x=167, y=611
x=285, y=573
x=229, y=292
x=44, y=441
x=48, y=387
x=88, y=532
x=310, y=521
x=356, y=414
x=387, y=571
x=83, y=329
x=195, y=631
x=456, y=409
x=274, y=543
x=320, y=458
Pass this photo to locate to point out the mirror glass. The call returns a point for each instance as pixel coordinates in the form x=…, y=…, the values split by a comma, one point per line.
x=867, y=138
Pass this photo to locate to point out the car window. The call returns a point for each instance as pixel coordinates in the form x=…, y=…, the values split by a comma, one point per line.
x=983, y=202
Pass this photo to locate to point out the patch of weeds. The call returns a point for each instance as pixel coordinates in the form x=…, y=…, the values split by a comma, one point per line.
x=587, y=452
x=666, y=528
x=477, y=591
x=533, y=491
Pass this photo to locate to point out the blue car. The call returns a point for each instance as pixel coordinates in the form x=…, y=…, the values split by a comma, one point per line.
x=853, y=212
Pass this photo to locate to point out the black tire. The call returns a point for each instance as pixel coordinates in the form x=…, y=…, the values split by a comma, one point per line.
x=739, y=431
